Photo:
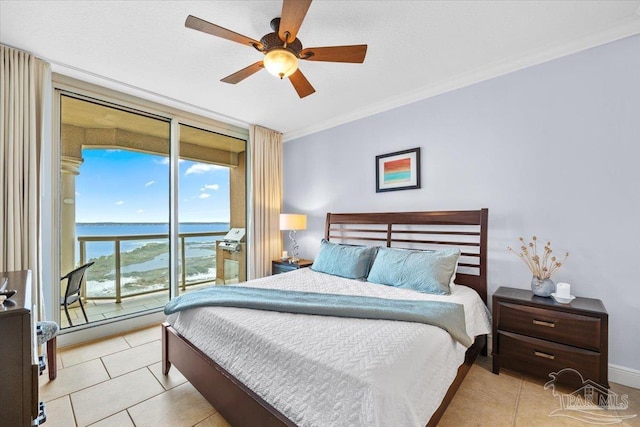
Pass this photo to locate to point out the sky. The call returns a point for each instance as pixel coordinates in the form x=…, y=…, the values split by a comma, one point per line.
x=127, y=186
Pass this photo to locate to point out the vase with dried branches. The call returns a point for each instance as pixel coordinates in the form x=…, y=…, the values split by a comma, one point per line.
x=542, y=267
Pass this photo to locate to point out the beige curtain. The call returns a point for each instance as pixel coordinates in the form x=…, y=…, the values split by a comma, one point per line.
x=266, y=196
x=24, y=82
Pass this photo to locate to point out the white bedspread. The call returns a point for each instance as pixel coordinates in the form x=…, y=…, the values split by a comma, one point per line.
x=328, y=371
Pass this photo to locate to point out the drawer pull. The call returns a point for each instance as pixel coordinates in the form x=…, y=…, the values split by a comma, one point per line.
x=545, y=355
x=543, y=323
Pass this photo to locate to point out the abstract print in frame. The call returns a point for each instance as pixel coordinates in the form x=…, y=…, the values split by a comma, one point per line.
x=398, y=171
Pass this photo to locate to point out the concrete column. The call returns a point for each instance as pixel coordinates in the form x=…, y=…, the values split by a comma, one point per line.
x=70, y=168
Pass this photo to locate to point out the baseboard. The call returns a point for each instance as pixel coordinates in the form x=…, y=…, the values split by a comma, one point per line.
x=625, y=376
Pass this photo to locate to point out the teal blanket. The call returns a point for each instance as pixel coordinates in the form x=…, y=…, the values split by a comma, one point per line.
x=445, y=315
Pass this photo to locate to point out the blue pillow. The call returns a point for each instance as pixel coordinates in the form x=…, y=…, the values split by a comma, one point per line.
x=423, y=271
x=352, y=262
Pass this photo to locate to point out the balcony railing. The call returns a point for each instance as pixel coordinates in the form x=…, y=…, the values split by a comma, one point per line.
x=83, y=240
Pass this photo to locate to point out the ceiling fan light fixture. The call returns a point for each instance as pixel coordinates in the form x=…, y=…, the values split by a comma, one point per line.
x=281, y=62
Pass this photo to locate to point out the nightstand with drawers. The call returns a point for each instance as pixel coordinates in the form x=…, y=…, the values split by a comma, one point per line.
x=282, y=265
x=538, y=336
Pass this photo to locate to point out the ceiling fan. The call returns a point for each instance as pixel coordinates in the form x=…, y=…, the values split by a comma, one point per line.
x=281, y=48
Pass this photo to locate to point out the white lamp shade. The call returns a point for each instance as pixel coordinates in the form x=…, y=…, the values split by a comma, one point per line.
x=293, y=222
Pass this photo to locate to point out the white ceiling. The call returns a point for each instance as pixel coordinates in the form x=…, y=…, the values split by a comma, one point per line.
x=416, y=49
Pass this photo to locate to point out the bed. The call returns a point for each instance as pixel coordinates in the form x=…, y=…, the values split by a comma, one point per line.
x=396, y=374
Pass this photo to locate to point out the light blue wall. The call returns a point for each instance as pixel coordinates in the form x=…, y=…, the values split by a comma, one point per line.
x=551, y=150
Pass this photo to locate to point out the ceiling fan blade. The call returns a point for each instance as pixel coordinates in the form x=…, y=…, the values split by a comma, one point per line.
x=354, y=53
x=218, y=31
x=293, y=12
x=301, y=84
x=238, y=76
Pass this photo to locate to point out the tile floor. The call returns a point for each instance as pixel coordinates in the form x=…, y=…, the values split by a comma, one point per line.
x=509, y=399
x=118, y=382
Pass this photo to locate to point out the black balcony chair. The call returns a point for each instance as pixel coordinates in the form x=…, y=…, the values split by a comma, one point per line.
x=72, y=294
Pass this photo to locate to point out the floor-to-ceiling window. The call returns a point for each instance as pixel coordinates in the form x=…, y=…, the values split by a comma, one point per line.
x=116, y=207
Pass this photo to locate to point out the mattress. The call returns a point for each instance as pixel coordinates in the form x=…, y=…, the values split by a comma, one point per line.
x=328, y=371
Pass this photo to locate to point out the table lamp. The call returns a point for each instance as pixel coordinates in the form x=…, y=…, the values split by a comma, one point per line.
x=292, y=223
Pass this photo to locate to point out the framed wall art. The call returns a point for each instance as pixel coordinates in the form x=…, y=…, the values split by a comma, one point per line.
x=398, y=171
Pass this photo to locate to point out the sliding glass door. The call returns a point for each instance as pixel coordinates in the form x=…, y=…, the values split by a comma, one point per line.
x=116, y=208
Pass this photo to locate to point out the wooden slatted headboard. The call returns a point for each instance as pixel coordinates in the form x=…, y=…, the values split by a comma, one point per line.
x=466, y=230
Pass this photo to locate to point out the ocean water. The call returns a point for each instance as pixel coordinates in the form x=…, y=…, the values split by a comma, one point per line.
x=98, y=249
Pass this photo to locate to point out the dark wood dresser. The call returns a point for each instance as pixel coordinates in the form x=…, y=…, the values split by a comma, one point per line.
x=538, y=336
x=18, y=355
